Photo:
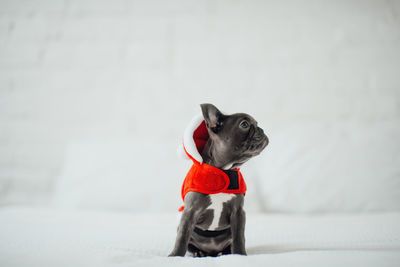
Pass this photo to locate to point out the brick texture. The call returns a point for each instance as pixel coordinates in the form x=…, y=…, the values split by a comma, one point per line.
x=73, y=70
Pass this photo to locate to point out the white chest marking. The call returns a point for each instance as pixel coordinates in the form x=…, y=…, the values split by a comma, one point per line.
x=217, y=201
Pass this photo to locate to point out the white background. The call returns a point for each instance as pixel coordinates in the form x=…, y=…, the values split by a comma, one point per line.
x=95, y=95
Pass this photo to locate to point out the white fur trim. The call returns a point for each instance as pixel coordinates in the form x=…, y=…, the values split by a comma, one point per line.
x=188, y=141
x=181, y=152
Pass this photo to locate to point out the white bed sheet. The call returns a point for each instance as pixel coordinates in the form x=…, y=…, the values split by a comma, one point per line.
x=46, y=237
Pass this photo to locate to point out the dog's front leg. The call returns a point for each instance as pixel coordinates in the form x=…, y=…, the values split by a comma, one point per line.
x=195, y=203
x=185, y=230
x=238, y=221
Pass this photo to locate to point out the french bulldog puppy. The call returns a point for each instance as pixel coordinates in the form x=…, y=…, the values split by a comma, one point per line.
x=213, y=224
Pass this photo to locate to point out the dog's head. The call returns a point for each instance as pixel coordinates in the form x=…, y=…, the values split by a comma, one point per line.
x=234, y=139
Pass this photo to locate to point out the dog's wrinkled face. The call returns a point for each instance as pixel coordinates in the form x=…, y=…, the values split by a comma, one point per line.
x=234, y=138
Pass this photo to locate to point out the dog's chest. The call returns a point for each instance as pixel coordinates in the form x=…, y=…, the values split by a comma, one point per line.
x=217, y=205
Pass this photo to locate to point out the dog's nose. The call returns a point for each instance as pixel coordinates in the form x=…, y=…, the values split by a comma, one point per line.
x=266, y=140
x=261, y=131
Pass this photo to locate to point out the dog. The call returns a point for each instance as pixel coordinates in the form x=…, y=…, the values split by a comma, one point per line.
x=213, y=219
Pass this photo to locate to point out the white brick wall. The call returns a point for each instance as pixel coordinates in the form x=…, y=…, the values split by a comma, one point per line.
x=105, y=70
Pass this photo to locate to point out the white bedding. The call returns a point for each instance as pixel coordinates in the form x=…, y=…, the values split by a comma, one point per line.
x=45, y=237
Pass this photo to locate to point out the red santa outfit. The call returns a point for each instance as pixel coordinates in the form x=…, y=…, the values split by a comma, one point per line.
x=204, y=178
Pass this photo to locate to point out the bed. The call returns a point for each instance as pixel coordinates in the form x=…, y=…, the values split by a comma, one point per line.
x=54, y=237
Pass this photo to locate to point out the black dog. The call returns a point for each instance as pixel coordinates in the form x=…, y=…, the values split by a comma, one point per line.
x=213, y=224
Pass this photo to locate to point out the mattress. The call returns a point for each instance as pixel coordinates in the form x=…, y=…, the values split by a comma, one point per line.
x=48, y=237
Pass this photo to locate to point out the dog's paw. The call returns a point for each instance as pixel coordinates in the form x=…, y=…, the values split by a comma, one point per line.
x=176, y=254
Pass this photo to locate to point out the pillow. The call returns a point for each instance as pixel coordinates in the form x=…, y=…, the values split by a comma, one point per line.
x=328, y=167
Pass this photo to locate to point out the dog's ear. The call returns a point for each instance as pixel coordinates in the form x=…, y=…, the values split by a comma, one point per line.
x=212, y=116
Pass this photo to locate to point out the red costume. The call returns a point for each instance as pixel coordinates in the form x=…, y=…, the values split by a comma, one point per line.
x=202, y=177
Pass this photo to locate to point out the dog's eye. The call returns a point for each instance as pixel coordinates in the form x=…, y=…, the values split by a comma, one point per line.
x=244, y=124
